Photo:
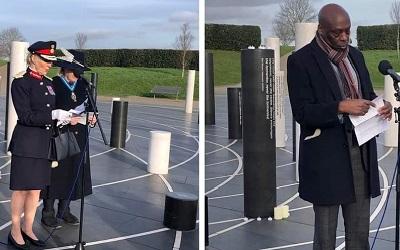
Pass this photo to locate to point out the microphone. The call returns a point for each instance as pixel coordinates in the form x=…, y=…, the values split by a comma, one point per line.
x=386, y=69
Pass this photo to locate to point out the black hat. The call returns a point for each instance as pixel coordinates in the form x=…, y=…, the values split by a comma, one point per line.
x=45, y=50
x=73, y=60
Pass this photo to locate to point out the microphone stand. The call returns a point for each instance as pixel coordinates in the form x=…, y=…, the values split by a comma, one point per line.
x=80, y=245
x=397, y=115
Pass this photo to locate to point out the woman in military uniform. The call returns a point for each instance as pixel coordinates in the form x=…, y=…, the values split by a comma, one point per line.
x=34, y=100
x=70, y=89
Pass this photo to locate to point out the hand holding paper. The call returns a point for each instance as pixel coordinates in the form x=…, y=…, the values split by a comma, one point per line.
x=371, y=124
x=75, y=119
x=356, y=107
x=63, y=117
x=59, y=114
x=386, y=111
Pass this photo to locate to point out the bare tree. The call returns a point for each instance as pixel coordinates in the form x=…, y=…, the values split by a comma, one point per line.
x=282, y=30
x=6, y=37
x=80, y=40
x=395, y=16
x=290, y=13
x=184, y=43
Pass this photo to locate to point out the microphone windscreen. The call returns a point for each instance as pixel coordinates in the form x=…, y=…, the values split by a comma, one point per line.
x=383, y=67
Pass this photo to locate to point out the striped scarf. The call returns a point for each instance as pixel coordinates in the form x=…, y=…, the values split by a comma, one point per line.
x=338, y=58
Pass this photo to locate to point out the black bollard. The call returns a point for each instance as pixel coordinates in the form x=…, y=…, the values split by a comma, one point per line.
x=294, y=143
x=207, y=241
x=118, y=124
x=93, y=80
x=7, y=100
x=209, y=91
x=234, y=113
x=259, y=159
x=294, y=155
x=180, y=211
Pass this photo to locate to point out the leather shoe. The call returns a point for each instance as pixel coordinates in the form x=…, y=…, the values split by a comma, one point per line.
x=37, y=242
x=15, y=244
x=70, y=218
x=48, y=219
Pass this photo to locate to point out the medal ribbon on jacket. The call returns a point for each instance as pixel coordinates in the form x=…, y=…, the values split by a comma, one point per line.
x=71, y=87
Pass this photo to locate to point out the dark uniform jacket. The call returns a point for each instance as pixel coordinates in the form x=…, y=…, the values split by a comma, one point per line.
x=33, y=99
x=325, y=169
x=63, y=176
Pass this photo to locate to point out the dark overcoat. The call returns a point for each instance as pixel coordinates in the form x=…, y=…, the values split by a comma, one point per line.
x=63, y=177
x=33, y=100
x=325, y=169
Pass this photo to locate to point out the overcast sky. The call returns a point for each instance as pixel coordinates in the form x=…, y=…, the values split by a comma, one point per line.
x=108, y=23
x=262, y=12
x=153, y=23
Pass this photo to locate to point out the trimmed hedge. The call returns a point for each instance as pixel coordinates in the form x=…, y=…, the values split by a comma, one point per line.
x=231, y=37
x=374, y=37
x=148, y=58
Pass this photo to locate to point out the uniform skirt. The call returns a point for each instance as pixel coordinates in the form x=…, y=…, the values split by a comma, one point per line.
x=29, y=173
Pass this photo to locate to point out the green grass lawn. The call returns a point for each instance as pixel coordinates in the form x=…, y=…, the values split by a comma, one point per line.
x=227, y=65
x=114, y=81
x=286, y=50
x=372, y=59
x=2, y=62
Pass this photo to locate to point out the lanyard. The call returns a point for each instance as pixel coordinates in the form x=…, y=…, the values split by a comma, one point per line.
x=69, y=86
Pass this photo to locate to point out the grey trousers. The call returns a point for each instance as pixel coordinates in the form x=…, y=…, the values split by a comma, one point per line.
x=355, y=215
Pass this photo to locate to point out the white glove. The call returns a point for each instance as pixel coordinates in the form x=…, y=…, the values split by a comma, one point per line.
x=61, y=115
x=62, y=123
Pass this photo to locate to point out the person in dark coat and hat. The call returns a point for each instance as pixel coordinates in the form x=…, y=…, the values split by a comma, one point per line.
x=70, y=89
x=33, y=97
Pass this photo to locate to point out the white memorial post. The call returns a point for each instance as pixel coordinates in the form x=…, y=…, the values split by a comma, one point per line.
x=190, y=91
x=158, y=158
x=304, y=33
x=274, y=43
x=18, y=56
x=390, y=135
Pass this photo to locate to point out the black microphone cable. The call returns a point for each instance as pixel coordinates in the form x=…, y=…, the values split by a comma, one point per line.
x=79, y=167
x=386, y=203
x=72, y=189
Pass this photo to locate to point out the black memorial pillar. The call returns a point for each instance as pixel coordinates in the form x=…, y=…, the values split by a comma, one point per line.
x=234, y=113
x=209, y=90
x=259, y=159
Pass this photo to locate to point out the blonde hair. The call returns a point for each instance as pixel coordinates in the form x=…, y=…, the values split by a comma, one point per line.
x=29, y=58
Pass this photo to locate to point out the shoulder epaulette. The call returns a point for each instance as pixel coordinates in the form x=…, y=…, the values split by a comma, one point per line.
x=48, y=78
x=19, y=74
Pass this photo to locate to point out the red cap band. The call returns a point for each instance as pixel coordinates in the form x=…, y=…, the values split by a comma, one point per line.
x=48, y=52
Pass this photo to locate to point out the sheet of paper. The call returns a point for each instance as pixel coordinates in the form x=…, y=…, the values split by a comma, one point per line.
x=373, y=111
x=83, y=118
x=371, y=124
x=79, y=109
x=369, y=129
